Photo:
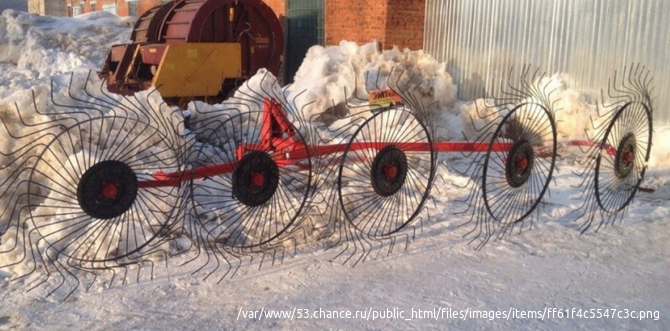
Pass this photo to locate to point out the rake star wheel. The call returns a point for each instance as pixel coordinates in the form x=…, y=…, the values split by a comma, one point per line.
x=612, y=174
x=83, y=195
x=619, y=173
x=257, y=195
x=514, y=181
x=383, y=183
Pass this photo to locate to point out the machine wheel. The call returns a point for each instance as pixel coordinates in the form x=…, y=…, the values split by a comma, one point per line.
x=622, y=162
x=84, y=196
x=256, y=202
x=515, y=180
x=383, y=180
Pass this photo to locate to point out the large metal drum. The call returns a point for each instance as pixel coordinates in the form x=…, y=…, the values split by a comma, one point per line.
x=221, y=42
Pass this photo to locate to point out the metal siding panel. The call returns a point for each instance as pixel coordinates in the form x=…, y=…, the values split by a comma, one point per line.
x=587, y=39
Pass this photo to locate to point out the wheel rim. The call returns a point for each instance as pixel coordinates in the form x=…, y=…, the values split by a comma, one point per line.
x=519, y=165
x=255, y=179
x=389, y=170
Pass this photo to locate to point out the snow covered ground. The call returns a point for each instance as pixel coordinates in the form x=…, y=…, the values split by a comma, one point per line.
x=551, y=270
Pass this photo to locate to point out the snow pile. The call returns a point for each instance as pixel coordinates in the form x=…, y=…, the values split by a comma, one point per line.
x=14, y=4
x=50, y=44
x=43, y=46
x=660, y=149
x=337, y=79
x=331, y=76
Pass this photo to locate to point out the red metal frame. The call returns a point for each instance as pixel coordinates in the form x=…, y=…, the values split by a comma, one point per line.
x=278, y=138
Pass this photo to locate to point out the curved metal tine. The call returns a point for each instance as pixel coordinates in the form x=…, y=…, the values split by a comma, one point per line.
x=26, y=145
x=108, y=102
x=82, y=106
x=71, y=96
x=38, y=127
x=157, y=115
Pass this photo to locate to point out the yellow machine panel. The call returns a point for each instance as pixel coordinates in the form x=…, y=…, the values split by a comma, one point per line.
x=195, y=69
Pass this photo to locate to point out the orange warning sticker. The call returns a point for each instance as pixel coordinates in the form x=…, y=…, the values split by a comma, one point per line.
x=384, y=98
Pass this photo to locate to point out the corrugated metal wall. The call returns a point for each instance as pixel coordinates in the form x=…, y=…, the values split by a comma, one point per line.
x=587, y=39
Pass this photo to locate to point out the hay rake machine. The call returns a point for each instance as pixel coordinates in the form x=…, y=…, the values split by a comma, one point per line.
x=96, y=182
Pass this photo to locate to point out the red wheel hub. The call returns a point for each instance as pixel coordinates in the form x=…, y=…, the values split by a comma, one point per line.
x=521, y=163
x=110, y=191
x=628, y=157
x=257, y=179
x=391, y=171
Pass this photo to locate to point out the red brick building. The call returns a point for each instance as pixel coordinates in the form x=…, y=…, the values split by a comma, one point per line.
x=309, y=22
x=391, y=22
x=118, y=7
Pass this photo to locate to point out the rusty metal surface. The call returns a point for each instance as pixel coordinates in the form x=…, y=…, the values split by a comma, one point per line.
x=250, y=24
x=153, y=54
x=148, y=26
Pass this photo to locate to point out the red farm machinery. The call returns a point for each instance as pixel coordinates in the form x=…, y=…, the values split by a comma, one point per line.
x=196, y=50
x=112, y=181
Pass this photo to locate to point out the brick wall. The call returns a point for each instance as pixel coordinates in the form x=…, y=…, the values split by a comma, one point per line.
x=278, y=6
x=121, y=5
x=391, y=22
x=146, y=5
x=354, y=20
x=404, y=23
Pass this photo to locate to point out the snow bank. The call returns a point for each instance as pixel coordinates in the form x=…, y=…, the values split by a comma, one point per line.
x=660, y=149
x=334, y=77
x=40, y=47
x=50, y=44
x=330, y=76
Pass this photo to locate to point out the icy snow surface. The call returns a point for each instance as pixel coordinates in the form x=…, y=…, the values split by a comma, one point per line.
x=624, y=266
